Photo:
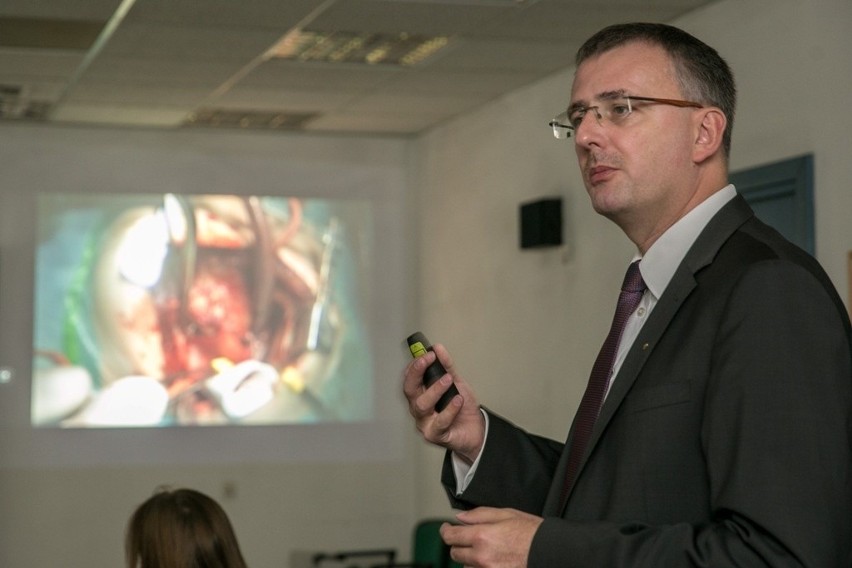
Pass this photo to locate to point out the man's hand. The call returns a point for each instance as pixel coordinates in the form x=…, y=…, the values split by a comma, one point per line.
x=491, y=538
x=460, y=427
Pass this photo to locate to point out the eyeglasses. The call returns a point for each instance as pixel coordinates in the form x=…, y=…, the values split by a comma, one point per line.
x=615, y=110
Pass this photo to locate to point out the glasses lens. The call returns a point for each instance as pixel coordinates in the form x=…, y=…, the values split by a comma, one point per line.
x=577, y=115
x=614, y=110
x=618, y=109
x=560, y=127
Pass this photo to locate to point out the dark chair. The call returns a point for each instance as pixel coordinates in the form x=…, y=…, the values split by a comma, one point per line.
x=427, y=548
x=353, y=558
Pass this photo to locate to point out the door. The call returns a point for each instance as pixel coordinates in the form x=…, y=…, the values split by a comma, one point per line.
x=781, y=194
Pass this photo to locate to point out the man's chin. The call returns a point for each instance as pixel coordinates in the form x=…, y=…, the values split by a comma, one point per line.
x=604, y=199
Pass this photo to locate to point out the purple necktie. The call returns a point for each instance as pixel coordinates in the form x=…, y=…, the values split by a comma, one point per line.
x=631, y=294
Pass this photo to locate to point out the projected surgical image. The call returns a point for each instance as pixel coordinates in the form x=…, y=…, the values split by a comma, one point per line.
x=185, y=309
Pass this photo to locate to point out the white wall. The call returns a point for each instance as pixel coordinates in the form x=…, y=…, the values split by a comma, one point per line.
x=524, y=326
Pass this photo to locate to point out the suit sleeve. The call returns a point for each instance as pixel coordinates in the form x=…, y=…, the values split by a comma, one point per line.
x=776, y=435
x=515, y=470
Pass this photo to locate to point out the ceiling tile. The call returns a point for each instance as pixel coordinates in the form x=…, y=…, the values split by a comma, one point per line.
x=177, y=73
x=430, y=18
x=39, y=63
x=189, y=42
x=134, y=95
x=98, y=10
x=223, y=14
x=293, y=99
x=320, y=76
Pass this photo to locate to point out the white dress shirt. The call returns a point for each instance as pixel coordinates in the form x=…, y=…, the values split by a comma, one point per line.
x=657, y=267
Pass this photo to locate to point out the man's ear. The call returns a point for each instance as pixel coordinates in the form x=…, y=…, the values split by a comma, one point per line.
x=709, y=133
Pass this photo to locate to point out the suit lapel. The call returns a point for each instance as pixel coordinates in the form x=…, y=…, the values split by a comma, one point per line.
x=701, y=254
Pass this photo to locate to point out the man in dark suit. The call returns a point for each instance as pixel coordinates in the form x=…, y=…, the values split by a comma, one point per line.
x=724, y=435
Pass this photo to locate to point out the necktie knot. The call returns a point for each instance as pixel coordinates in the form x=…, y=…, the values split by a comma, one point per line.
x=633, y=279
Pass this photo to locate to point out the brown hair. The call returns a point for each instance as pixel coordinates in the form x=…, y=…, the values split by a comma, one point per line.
x=181, y=528
x=703, y=75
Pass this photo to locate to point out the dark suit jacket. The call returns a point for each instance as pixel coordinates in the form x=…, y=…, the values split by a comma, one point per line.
x=726, y=439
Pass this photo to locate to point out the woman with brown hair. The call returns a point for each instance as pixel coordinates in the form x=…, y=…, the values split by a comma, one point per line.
x=181, y=528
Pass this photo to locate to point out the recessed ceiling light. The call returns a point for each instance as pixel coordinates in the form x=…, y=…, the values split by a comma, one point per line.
x=249, y=119
x=350, y=47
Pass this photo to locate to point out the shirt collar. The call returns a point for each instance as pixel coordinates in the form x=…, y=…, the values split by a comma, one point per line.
x=665, y=255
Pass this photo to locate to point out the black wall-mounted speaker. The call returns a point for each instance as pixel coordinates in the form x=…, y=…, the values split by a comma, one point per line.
x=541, y=223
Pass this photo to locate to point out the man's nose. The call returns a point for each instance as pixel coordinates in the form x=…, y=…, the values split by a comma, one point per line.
x=589, y=131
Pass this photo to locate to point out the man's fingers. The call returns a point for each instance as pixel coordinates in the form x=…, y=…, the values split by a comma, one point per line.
x=445, y=358
x=412, y=384
x=425, y=403
x=453, y=535
x=481, y=515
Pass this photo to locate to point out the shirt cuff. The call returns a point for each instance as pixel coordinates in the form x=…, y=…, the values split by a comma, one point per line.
x=463, y=471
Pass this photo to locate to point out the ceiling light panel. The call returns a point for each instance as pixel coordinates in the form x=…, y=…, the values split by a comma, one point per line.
x=249, y=119
x=376, y=48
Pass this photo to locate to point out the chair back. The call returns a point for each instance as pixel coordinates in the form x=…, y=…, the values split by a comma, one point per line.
x=429, y=549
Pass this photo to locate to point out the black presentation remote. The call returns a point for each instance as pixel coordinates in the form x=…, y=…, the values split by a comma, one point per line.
x=419, y=345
